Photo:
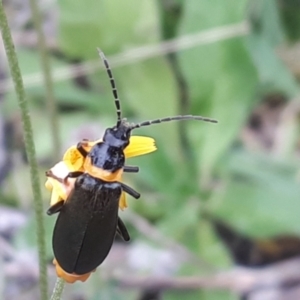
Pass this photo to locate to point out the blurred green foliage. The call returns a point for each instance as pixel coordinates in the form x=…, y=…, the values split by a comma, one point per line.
x=256, y=191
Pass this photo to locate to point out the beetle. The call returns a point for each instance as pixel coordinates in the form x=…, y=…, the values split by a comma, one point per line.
x=88, y=218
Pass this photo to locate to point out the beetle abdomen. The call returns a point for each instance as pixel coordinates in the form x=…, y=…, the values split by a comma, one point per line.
x=86, y=226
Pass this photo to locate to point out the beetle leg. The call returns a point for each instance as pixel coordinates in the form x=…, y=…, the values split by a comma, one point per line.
x=49, y=173
x=75, y=174
x=131, y=169
x=122, y=230
x=55, y=208
x=127, y=189
x=80, y=147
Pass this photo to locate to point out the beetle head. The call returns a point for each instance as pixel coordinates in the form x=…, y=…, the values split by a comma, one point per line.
x=118, y=136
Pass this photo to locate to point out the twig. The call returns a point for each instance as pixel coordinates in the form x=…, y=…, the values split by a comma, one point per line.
x=50, y=99
x=140, y=54
x=30, y=148
x=241, y=280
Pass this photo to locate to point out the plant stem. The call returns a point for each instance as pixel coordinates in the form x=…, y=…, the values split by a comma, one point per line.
x=50, y=99
x=171, y=12
x=30, y=147
x=58, y=289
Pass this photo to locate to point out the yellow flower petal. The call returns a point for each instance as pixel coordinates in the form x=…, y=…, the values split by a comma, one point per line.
x=74, y=161
x=55, y=198
x=123, y=201
x=73, y=158
x=139, y=145
x=48, y=185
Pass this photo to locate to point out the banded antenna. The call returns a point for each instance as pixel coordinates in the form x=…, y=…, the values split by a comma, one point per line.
x=113, y=86
x=175, y=118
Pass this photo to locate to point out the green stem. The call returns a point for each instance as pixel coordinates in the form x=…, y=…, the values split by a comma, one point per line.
x=50, y=99
x=171, y=14
x=58, y=289
x=29, y=144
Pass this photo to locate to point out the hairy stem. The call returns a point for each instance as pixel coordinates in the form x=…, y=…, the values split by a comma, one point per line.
x=58, y=289
x=30, y=147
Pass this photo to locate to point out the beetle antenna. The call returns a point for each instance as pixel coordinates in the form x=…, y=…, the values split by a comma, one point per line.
x=113, y=85
x=175, y=118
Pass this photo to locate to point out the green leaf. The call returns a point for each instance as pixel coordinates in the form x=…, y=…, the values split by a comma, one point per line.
x=290, y=15
x=273, y=74
x=266, y=35
x=85, y=25
x=66, y=92
x=210, y=248
x=42, y=131
x=265, y=19
x=261, y=195
x=221, y=78
x=150, y=90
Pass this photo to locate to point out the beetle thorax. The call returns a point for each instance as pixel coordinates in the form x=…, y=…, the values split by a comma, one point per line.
x=107, y=157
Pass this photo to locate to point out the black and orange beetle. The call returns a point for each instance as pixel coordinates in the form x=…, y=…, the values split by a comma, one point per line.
x=88, y=213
